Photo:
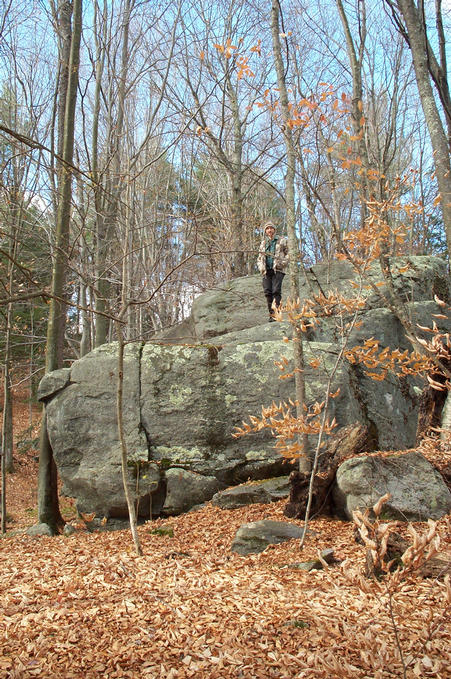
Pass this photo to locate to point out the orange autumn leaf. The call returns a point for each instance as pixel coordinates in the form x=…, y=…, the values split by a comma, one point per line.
x=437, y=200
x=257, y=48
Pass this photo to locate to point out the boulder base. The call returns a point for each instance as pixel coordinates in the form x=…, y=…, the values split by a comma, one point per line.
x=185, y=393
x=252, y=493
x=252, y=538
x=186, y=489
x=417, y=490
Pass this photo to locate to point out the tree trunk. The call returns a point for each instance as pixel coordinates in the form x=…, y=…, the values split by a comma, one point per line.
x=83, y=317
x=48, y=508
x=440, y=75
x=3, y=493
x=101, y=328
x=120, y=424
x=355, y=57
x=7, y=420
x=418, y=45
x=237, y=194
x=85, y=342
x=7, y=423
x=347, y=442
x=7, y=434
x=298, y=354
x=446, y=419
x=107, y=221
x=48, y=505
x=62, y=16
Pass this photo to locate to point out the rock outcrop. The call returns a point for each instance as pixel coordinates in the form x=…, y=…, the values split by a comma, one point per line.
x=262, y=492
x=239, y=304
x=187, y=391
x=417, y=491
x=252, y=538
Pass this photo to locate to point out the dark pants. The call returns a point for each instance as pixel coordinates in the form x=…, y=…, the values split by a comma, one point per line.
x=272, y=287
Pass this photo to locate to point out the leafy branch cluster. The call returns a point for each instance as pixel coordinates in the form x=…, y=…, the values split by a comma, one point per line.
x=389, y=581
x=308, y=313
x=286, y=427
x=402, y=363
x=240, y=60
x=375, y=535
x=384, y=230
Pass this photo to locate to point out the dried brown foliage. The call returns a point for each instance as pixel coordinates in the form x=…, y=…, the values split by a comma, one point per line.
x=436, y=352
x=87, y=607
x=390, y=576
x=279, y=418
x=437, y=450
x=386, y=227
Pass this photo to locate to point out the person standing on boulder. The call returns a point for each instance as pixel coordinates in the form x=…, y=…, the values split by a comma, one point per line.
x=272, y=263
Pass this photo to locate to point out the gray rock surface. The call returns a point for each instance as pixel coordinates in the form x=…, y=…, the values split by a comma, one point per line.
x=53, y=382
x=82, y=427
x=182, y=402
x=327, y=555
x=185, y=489
x=417, y=490
x=236, y=305
x=252, y=538
x=240, y=304
x=264, y=492
x=200, y=390
x=39, y=530
x=69, y=530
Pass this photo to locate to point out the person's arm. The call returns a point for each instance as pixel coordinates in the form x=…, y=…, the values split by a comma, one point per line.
x=261, y=259
x=286, y=254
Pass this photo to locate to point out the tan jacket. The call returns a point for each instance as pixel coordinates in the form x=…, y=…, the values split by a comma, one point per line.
x=281, y=257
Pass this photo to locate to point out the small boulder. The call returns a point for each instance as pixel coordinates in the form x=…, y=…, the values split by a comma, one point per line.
x=52, y=383
x=185, y=489
x=40, y=530
x=252, y=538
x=251, y=493
x=327, y=556
x=68, y=530
x=418, y=491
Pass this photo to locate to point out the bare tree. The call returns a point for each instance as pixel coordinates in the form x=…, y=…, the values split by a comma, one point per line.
x=411, y=21
x=298, y=353
x=107, y=219
x=21, y=98
x=48, y=508
x=224, y=74
x=355, y=56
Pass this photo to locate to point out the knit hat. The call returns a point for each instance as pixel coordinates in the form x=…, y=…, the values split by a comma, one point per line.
x=267, y=225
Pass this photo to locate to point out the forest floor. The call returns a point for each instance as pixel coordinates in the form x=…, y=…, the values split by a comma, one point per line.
x=87, y=606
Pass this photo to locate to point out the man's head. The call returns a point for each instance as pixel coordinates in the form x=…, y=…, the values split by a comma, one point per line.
x=269, y=230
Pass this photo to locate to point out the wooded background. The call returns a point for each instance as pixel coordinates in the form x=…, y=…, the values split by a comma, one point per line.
x=142, y=145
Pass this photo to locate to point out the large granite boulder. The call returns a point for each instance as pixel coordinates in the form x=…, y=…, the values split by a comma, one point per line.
x=417, y=490
x=82, y=428
x=182, y=405
x=192, y=398
x=239, y=304
x=183, y=401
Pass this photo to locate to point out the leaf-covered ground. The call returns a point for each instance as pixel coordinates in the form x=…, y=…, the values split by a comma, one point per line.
x=86, y=606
